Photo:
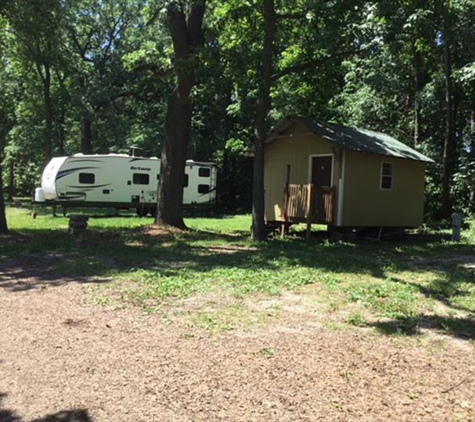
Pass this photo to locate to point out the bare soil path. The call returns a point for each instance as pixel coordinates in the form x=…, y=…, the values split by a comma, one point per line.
x=65, y=359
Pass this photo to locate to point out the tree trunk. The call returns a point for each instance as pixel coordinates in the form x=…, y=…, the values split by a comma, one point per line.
x=11, y=176
x=3, y=218
x=173, y=159
x=417, y=100
x=260, y=127
x=472, y=133
x=48, y=140
x=86, y=135
x=472, y=156
x=187, y=34
x=61, y=131
x=449, y=143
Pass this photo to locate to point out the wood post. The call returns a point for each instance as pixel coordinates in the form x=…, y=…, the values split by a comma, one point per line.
x=283, y=230
x=309, y=210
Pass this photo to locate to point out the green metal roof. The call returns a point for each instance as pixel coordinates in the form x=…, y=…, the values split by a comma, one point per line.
x=360, y=140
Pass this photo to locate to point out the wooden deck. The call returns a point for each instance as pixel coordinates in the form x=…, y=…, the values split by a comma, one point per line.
x=308, y=204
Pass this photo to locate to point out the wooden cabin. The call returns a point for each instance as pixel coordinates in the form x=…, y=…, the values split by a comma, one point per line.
x=317, y=172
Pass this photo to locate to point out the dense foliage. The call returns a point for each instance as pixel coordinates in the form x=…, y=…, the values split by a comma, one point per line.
x=97, y=76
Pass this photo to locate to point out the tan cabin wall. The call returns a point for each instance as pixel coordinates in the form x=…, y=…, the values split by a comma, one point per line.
x=366, y=204
x=295, y=150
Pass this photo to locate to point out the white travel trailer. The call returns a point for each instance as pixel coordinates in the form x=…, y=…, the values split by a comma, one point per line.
x=118, y=181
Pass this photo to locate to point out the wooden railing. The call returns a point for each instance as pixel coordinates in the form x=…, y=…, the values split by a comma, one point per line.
x=305, y=203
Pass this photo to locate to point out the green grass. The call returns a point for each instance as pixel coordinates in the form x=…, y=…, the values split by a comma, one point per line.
x=395, y=286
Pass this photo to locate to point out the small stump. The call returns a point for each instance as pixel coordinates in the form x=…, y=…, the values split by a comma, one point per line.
x=78, y=224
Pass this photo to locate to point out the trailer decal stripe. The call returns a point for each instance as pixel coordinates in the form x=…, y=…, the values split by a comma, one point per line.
x=78, y=160
x=64, y=173
x=88, y=187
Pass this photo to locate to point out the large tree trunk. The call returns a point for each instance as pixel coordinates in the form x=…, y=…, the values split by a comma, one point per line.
x=260, y=126
x=185, y=23
x=172, y=179
x=86, y=135
x=3, y=218
x=449, y=142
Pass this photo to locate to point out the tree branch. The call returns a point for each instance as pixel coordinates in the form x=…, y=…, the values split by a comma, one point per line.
x=157, y=71
x=312, y=63
x=296, y=16
x=154, y=18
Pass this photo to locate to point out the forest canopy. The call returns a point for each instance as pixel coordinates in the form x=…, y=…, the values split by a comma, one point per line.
x=96, y=76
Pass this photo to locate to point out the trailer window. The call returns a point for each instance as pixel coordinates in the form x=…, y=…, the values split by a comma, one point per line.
x=203, y=188
x=204, y=172
x=87, y=178
x=141, y=179
x=386, y=176
x=185, y=185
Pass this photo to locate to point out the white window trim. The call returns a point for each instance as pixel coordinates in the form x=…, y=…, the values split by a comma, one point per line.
x=381, y=176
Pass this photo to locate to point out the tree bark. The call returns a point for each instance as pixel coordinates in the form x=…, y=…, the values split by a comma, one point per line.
x=472, y=154
x=11, y=176
x=260, y=125
x=61, y=131
x=3, y=218
x=86, y=135
x=417, y=100
x=48, y=140
x=186, y=28
x=449, y=142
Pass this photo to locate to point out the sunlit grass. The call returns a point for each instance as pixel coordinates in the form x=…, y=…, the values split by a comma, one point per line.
x=400, y=280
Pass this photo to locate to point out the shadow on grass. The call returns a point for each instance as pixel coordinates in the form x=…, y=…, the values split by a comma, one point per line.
x=98, y=254
x=453, y=277
x=54, y=258
x=77, y=415
x=32, y=272
x=463, y=328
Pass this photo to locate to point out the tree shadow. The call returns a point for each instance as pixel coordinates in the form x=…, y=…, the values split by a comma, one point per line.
x=21, y=274
x=7, y=415
x=455, y=271
x=462, y=328
x=134, y=248
x=54, y=259
x=66, y=416
x=448, y=285
x=76, y=415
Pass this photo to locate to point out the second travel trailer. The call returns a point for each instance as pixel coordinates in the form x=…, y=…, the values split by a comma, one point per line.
x=118, y=181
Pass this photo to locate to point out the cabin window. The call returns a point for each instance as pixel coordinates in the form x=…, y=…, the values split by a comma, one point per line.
x=87, y=178
x=185, y=185
x=386, y=176
x=141, y=179
x=203, y=188
x=204, y=172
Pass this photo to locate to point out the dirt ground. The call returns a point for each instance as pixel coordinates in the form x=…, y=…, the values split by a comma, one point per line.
x=63, y=358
